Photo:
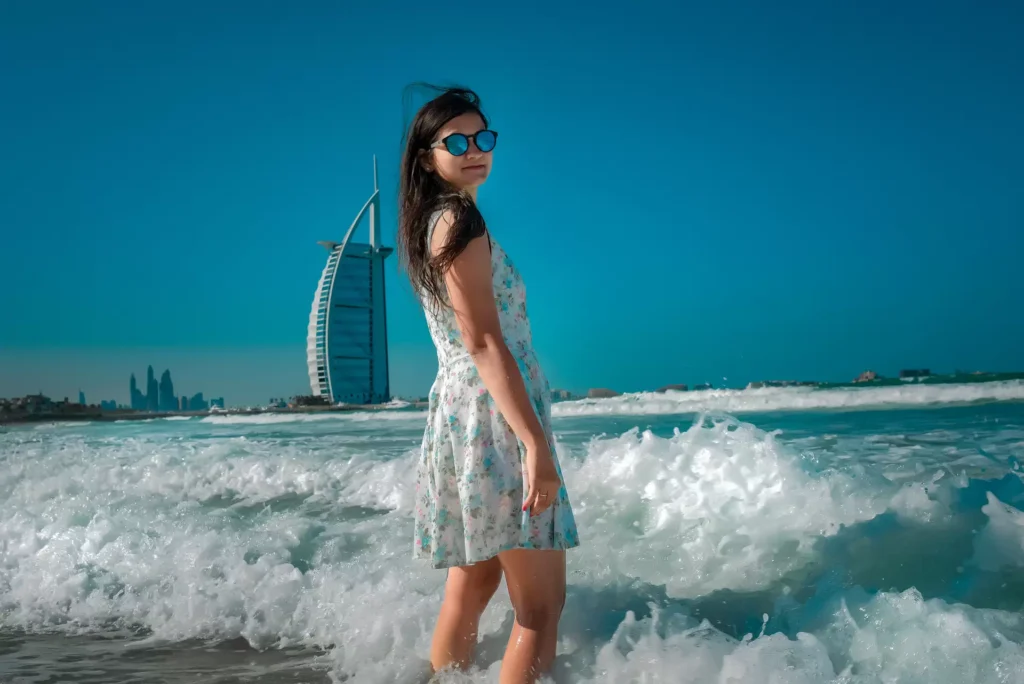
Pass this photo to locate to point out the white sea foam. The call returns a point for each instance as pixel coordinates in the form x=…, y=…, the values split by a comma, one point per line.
x=892, y=637
x=271, y=418
x=278, y=418
x=717, y=506
x=1000, y=544
x=669, y=403
x=793, y=399
x=306, y=538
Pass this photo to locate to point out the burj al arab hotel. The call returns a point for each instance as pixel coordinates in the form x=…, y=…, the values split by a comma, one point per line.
x=346, y=342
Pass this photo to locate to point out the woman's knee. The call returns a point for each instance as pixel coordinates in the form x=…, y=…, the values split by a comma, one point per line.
x=539, y=607
x=538, y=614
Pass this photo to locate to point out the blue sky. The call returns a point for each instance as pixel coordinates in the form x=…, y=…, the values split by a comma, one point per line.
x=741, y=190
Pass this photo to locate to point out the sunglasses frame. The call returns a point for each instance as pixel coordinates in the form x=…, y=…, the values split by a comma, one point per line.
x=444, y=141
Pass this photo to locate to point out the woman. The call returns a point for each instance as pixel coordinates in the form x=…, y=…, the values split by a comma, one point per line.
x=490, y=498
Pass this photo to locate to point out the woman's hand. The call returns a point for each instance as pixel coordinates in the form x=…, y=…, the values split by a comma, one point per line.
x=542, y=481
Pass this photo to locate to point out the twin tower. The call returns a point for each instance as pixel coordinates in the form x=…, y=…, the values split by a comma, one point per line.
x=346, y=342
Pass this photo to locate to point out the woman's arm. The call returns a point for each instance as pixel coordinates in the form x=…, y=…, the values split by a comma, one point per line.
x=470, y=291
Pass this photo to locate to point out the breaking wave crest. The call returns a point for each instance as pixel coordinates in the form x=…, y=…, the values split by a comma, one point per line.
x=717, y=553
x=794, y=399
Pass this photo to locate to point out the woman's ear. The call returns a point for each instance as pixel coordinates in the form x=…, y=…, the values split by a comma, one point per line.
x=425, y=161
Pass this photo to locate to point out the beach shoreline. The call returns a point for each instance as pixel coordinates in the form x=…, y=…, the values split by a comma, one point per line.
x=114, y=416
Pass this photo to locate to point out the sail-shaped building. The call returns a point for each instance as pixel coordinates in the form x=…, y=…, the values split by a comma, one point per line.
x=346, y=342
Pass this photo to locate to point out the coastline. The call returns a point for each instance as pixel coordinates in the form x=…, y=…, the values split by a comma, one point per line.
x=94, y=414
x=114, y=416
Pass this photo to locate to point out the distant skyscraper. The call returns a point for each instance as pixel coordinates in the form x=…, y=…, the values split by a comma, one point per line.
x=81, y=397
x=183, y=403
x=217, y=401
x=168, y=402
x=152, y=392
x=346, y=343
x=197, y=403
x=137, y=400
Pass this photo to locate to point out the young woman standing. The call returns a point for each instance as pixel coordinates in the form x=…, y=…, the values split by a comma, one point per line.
x=489, y=495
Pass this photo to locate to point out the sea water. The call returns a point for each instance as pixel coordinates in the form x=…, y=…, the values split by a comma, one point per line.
x=797, y=536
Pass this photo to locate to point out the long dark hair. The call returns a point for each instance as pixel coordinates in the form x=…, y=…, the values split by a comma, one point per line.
x=421, y=192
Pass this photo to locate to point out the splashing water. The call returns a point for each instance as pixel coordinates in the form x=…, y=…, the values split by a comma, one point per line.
x=845, y=547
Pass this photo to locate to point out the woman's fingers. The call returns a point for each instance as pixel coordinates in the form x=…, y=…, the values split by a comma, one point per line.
x=540, y=498
x=541, y=503
x=531, y=497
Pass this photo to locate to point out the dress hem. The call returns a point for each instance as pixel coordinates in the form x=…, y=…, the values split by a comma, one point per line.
x=419, y=555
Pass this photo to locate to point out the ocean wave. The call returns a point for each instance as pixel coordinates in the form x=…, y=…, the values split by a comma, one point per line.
x=270, y=418
x=395, y=413
x=722, y=505
x=693, y=537
x=855, y=639
x=793, y=399
x=1000, y=543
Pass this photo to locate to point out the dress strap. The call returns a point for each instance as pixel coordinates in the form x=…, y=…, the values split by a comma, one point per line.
x=432, y=223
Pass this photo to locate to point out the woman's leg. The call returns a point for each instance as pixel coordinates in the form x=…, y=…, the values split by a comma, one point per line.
x=466, y=594
x=536, y=586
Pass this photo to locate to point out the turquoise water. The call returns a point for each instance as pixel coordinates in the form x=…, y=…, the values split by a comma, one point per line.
x=855, y=535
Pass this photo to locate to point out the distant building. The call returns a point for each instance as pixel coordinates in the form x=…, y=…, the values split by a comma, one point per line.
x=81, y=397
x=867, y=376
x=167, y=400
x=137, y=399
x=197, y=403
x=672, y=388
x=152, y=392
x=32, y=404
x=217, y=402
x=561, y=395
x=346, y=343
x=309, y=400
x=915, y=374
x=183, y=403
x=601, y=393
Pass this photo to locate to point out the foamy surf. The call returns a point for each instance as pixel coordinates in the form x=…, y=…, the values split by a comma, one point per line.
x=342, y=416
x=794, y=399
x=744, y=401
x=855, y=539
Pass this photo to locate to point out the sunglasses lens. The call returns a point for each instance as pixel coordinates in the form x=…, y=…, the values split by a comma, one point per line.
x=486, y=140
x=457, y=144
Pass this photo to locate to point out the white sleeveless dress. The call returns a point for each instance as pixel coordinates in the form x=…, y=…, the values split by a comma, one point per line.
x=469, y=485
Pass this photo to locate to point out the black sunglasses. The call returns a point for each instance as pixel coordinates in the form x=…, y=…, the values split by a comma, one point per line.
x=457, y=144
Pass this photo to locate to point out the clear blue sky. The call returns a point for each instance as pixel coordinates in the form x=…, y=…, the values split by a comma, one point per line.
x=740, y=190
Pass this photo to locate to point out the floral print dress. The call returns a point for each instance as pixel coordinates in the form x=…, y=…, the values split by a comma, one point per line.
x=470, y=479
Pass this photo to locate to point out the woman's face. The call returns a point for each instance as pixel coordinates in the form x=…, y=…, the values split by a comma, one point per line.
x=466, y=171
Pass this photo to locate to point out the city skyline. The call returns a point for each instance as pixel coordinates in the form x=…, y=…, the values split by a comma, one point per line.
x=256, y=399
x=821, y=188
x=159, y=396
